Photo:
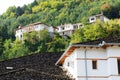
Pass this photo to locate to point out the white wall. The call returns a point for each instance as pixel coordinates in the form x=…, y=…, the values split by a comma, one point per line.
x=106, y=67
x=113, y=51
x=112, y=66
x=92, y=53
x=66, y=27
x=92, y=79
x=106, y=19
x=40, y=27
x=90, y=19
x=50, y=29
x=102, y=18
x=106, y=63
x=71, y=60
x=114, y=78
x=79, y=65
x=100, y=71
x=18, y=34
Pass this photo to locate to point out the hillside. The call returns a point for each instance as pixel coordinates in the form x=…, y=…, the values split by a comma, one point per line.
x=56, y=12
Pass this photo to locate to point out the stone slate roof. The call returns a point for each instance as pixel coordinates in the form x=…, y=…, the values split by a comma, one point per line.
x=40, y=66
x=109, y=39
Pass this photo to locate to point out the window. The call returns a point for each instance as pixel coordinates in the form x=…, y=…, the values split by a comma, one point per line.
x=80, y=25
x=68, y=64
x=118, y=62
x=63, y=33
x=63, y=28
x=36, y=26
x=74, y=27
x=92, y=19
x=21, y=36
x=94, y=64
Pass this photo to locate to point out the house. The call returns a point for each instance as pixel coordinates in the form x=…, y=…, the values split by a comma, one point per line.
x=98, y=16
x=19, y=32
x=93, y=61
x=68, y=29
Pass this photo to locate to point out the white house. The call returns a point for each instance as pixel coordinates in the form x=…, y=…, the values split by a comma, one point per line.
x=92, y=62
x=98, y=16
x=68, y=29
x=19, y=32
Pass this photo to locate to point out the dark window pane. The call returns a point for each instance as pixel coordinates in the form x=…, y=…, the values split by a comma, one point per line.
x=94, y=64
x=118, y=66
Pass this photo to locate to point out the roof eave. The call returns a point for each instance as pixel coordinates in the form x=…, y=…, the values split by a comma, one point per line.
x=63, y=55
x=74, y=45
x=85, y=46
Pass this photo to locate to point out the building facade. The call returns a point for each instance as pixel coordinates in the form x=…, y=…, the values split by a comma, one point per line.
x=19, y=32
x=92, y=62
x=68, y=29
x=101, y=17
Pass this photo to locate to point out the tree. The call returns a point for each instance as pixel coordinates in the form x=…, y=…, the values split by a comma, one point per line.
x=1, y=46
x=19, y=11
x=78, y=36
x=15, y=49
x=90, y=32
x=113, y=27
x=58, y=44
x=7, y=49
x=10, y=10
x=3, y=33
x=43, y=35
x=37, y=40
x=44, y=38
x=94, y=31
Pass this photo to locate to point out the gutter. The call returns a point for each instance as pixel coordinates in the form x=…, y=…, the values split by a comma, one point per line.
x=111, y=43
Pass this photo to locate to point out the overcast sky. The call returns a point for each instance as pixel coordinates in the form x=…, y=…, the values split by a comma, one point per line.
x=4, y=4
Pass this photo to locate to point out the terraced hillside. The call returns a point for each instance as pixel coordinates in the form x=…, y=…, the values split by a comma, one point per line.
x=40, y=66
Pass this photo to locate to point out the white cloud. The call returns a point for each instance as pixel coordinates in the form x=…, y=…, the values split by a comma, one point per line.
x=4, y=4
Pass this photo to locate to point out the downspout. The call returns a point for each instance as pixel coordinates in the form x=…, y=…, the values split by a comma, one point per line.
x=86, y=71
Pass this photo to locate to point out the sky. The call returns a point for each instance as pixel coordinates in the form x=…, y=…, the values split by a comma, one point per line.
x=5, y=4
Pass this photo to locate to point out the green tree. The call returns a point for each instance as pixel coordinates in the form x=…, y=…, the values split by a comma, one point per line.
x=58, y=44
x=14, y=49
x=78, y=36
x=1, y=46
x=19, y=11
x=90, y=32
x=7, y=49
x=44, y=38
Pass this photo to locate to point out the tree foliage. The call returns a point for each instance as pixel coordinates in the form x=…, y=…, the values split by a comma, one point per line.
x=14, y=49
x=96, y=31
